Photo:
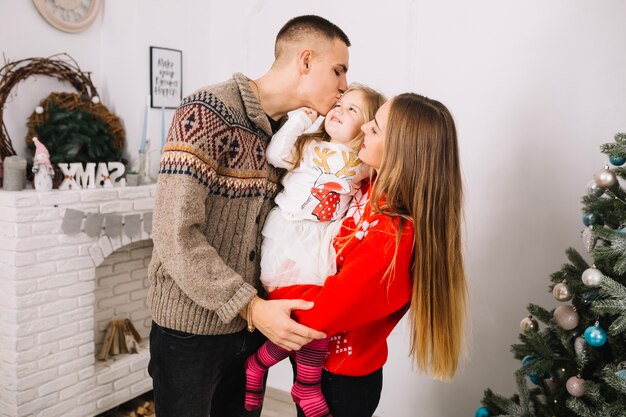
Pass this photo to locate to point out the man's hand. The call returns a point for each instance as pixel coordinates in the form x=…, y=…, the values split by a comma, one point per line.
x=273, y=319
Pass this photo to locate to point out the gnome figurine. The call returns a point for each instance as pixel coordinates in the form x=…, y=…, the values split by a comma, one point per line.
x=42, y=167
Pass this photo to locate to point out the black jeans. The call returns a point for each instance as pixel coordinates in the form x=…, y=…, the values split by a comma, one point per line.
x=198, y=376
x=351, y=396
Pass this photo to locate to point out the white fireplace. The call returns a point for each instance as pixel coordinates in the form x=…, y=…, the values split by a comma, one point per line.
x=57, y=293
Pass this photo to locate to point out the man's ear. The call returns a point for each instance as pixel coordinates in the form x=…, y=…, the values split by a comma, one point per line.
x=304, y=60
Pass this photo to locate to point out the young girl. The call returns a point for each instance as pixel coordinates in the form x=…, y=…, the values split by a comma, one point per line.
x=324, y=173
x=399, y=249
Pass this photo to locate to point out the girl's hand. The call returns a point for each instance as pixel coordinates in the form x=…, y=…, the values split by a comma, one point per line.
x=311, y=113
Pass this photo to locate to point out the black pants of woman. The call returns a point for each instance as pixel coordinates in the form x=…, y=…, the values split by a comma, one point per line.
x=351, y=396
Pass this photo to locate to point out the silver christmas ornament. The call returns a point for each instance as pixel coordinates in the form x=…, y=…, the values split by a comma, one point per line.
x=592, y=277
x=561, y=292
x=95, y=99
x=39, y=110
x=529, y=324
x=579, y=346
x=589, y=239
x=575, y=386
x=566, y=317
x=593, y=189
x=605, y=178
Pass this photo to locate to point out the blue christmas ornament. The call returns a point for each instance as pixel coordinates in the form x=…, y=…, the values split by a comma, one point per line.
x=536, y=379
x=621, y=373
x=528, y=359
x=617, y=160
x=595, y=336
x=592, y=218
x=482, y=412
x=533, y=377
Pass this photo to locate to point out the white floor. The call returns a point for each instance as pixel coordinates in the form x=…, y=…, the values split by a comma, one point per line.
x=278, y=404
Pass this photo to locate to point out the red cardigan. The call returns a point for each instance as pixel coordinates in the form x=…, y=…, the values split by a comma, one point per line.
x=360, y=305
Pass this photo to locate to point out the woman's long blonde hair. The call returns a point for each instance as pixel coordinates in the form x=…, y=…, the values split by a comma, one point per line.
x=420, y=176
x=371, y=103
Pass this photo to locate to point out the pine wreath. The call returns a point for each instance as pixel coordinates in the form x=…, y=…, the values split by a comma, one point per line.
x=75, y=130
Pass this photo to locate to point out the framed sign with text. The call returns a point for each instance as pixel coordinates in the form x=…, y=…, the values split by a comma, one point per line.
x=166, y=77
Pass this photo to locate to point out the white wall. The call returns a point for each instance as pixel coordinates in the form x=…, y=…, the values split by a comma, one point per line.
x=535, y=88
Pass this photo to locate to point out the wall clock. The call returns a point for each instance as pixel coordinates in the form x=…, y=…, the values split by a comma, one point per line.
x=69, y=15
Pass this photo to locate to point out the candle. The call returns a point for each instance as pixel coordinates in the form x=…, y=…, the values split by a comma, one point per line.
x=162, y=127
x=14, y=173
x=144, y=133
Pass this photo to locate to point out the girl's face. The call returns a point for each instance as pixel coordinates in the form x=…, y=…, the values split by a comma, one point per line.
x=371, y=151
x=345, y=119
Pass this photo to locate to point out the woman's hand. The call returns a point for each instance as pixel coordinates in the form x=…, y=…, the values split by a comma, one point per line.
x=273, y=319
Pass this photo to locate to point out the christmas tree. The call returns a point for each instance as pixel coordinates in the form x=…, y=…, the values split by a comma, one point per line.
x=574, y=364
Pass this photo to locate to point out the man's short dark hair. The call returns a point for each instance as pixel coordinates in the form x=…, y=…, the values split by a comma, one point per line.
x=301, y=26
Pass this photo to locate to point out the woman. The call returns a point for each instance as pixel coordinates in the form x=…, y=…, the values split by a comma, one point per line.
x=399, y=249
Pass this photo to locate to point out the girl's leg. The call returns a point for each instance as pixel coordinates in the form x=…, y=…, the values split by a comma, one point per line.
x=307, y=390
x=256, y=368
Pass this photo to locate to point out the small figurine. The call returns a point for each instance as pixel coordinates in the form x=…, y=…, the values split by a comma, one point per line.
x=42, y=168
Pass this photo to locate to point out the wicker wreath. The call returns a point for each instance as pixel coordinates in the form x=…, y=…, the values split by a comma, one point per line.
x=64, y=68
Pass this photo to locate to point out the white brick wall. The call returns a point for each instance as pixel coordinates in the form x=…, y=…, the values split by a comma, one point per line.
x=58, y=292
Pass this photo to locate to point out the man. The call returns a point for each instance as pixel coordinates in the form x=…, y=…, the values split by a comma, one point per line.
x=215, y=188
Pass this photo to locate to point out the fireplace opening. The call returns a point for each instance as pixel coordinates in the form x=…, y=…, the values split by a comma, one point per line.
x=121, y=289
x=141, y=406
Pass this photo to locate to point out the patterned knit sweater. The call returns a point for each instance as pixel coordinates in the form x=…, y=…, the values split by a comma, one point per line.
x=214, y=191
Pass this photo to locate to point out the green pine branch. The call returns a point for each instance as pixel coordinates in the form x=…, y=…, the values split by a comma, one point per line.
x=614, y=249
x=496, y=403
x=592, y=393
x=610, y=377
x=613, y=303
x=576, y=260
x=617, y=147
x=540, y=313
x=611, y=210
x=616, y=192
x=580, y=408
x=509, y=407
x=525, y=407
x=533, y=343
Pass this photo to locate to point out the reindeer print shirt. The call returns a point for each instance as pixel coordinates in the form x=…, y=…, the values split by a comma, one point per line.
x=321, y=187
